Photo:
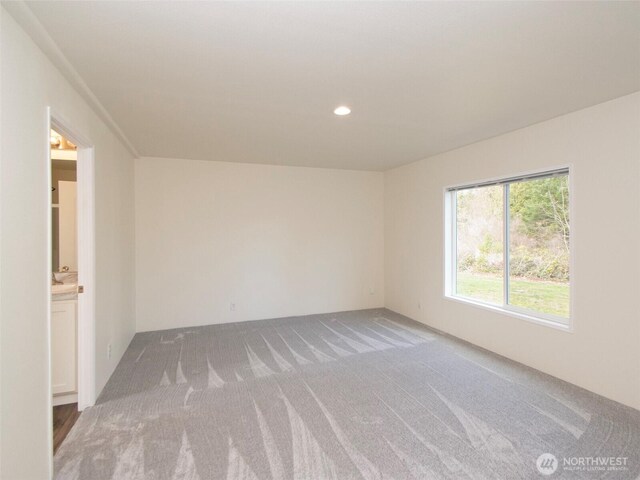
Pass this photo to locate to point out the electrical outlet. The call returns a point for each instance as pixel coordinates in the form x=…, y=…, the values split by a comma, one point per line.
x=232, y=307
x=372, y=291
x=109, y=352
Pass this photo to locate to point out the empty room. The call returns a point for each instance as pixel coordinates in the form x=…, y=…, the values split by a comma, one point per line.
x=319, y=240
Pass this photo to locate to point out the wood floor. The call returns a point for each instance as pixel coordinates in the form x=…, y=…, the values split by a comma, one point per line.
x=64, y=417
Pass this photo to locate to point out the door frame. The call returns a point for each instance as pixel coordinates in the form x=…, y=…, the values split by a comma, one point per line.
x=85, y=165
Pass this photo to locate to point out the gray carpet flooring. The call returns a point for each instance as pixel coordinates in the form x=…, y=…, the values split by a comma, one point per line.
x=353, y=395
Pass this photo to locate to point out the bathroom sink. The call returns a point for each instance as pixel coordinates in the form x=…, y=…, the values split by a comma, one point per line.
x=66, y=277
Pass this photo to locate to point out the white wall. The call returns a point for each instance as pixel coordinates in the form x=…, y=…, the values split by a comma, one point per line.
x=30, y=83
x=276, y=241
x=603, y=145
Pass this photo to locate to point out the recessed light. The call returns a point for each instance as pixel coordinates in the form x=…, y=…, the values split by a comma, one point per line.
x=342, y=110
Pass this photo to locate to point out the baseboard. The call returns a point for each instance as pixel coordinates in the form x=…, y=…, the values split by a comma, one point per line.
x=64, y=399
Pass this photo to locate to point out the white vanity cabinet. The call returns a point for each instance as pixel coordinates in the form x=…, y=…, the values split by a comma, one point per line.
x=64, y=334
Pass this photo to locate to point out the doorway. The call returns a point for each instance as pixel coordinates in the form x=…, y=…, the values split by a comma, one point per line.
x=71, y=263
x=64, y=267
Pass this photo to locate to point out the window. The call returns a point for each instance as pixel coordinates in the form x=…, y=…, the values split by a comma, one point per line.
x=508, y=245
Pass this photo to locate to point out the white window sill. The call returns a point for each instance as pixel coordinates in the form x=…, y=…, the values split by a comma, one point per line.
x=547, y=322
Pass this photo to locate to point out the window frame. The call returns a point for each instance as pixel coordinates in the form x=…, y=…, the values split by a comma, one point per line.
x=450, y=250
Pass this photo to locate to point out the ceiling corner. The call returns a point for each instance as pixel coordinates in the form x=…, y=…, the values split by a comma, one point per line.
x=23, y=15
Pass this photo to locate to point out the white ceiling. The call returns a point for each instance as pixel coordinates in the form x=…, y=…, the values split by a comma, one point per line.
x=258, y=82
